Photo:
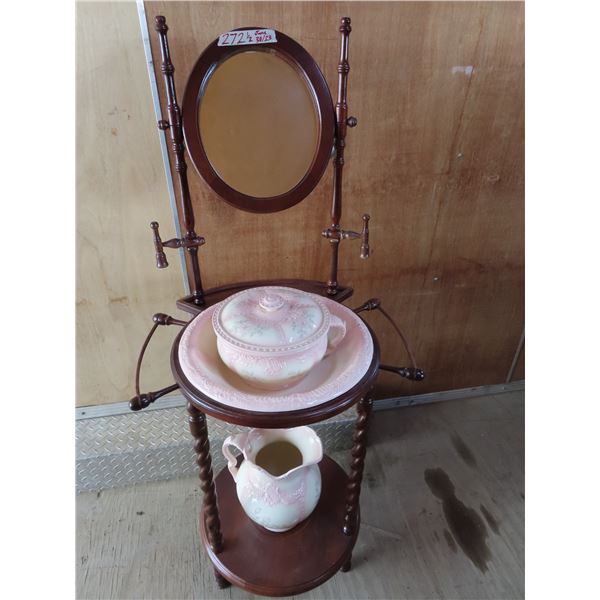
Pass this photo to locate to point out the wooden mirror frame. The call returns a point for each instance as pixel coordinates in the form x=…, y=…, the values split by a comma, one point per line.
x=300, y=59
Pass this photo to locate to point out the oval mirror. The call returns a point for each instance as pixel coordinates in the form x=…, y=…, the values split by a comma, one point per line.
x=258, y=122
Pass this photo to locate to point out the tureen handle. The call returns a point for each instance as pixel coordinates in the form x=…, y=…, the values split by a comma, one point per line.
x=336, y=333
x=237, y=441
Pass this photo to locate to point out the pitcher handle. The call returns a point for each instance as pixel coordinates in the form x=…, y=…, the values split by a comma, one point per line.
x=237, y=441
x=336, y=333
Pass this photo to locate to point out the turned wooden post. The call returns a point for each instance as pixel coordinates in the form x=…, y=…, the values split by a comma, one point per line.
x=359, y=450
x=210, y=513
x=175, y=127
x=341, y=113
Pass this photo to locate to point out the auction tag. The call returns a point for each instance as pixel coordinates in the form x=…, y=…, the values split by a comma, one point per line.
x=247, y=36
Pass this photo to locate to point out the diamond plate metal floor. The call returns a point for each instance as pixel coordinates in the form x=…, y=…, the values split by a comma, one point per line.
x=116, y=447
x=124, y=449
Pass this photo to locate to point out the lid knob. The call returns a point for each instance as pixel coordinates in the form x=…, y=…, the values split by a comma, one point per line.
x=271, y=302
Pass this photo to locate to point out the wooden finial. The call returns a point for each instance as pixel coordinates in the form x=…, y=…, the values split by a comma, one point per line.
x=160, y=24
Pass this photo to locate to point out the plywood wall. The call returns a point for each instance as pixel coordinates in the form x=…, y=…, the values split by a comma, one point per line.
x=120, y=189
x=437, y=160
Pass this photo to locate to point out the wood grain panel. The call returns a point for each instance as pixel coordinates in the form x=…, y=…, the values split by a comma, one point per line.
x=437, y=160
x=120, y=188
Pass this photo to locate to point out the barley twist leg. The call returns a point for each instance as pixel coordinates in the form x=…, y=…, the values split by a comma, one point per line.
x=359, y=450
x=197, y=421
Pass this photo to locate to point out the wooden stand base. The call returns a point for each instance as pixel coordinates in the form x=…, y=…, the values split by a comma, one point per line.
x=283, y=564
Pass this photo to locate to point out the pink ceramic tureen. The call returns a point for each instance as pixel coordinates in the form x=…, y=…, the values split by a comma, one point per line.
x=272, y=336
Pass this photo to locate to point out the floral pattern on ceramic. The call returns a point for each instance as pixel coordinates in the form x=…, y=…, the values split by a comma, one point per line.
x=336, y=374
x=272, y=372
x=277, y=503
x=272, y=336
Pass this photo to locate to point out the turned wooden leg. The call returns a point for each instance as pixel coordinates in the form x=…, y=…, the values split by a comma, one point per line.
x=347, y=565
x=210, y=511
x=359, y=450
x=221, y=581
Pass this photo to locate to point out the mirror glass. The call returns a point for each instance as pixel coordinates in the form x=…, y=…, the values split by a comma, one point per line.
x=259, y=123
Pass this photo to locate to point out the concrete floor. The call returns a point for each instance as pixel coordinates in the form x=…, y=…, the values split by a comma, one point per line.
x=443, y=511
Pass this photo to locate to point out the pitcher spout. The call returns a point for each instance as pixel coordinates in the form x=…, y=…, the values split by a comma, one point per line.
x=309, y=444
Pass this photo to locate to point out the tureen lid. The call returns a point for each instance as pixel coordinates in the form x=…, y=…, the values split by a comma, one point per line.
x=271, y=318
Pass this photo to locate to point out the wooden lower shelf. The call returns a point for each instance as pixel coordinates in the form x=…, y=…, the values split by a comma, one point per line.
x=283, y=564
